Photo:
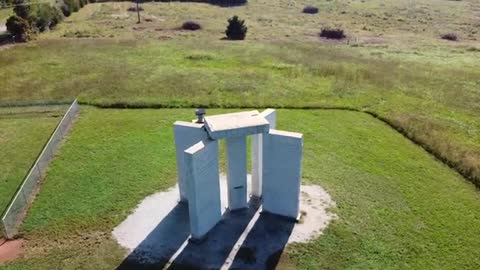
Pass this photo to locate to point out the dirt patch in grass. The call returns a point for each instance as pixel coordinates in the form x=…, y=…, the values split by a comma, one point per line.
x=10, y=250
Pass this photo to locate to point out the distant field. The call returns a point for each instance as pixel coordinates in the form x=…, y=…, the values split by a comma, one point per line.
x=22, y=136
x=394, y=24
x=398, y=207
x=436, y=104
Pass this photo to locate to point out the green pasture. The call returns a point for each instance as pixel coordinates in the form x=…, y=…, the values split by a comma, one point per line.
x=397, y=206
x=22, y=137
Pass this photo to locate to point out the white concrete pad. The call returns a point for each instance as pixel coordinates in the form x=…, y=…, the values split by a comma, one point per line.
x=155, y=239
x=235, y=124
x=282, y=168
x=203, y=186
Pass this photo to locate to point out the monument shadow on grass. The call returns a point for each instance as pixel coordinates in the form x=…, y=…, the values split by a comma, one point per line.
x=261, y=249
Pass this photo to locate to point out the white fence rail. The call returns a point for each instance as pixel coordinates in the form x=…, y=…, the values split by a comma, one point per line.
x=16, y=210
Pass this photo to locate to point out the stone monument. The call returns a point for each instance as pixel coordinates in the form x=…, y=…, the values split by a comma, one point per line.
x=276, y=166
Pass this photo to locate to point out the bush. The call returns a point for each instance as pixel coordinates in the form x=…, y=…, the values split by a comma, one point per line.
x=57, y=16
x=221, y=3
x=450, y=36
x=236, y=29
x=332, y=33
x=73, y=5
x=310, y=10
x=66, y=10
x=191, y=25
x=227, y=3
x=134, y=9
x=19, y=28
x=22, y=9
x=47, y=16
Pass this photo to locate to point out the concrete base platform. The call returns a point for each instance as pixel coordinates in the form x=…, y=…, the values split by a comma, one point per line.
x=241, y=240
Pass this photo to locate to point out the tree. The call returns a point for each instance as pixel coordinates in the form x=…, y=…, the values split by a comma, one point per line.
x=19, y=28
x=22, y=9
x=236, y=29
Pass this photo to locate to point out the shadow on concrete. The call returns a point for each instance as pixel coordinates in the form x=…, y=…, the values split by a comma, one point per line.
x=261, y=249
x=160, y=245
x=265, y=243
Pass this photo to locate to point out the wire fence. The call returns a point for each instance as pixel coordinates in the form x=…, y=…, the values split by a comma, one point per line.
x=18, y=206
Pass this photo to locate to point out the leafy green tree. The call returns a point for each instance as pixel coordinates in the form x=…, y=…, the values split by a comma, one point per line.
x=19, y=28
x=23, y=9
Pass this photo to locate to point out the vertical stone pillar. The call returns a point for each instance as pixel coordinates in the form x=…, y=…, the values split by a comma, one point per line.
x=237, y=172
x=203, y=186
x=186, y=134
x=257, y=156
x=282, y=168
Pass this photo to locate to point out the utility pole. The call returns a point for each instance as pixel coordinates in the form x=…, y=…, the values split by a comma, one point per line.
x=138, y=12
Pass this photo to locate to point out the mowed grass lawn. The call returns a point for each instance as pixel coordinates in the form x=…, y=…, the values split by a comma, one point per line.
x=397, y=207
x=393, y=64
x=22, y=136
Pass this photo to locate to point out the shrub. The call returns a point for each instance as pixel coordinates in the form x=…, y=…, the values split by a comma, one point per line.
x=221, y=3
x=19, y=28
x=310, y=10
x=191, y=25
x=450, y=36
x=227, y=3
x=57, y=16
x=332, y=33
x=66, y=10
x=134, y=8
x=21, y=9
x=46, y=16
x=73, y=5
x=236, y=29
x=43, y=17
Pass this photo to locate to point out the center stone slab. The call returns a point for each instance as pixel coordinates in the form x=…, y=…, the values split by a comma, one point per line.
x=237, y=172
x=235, y=124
